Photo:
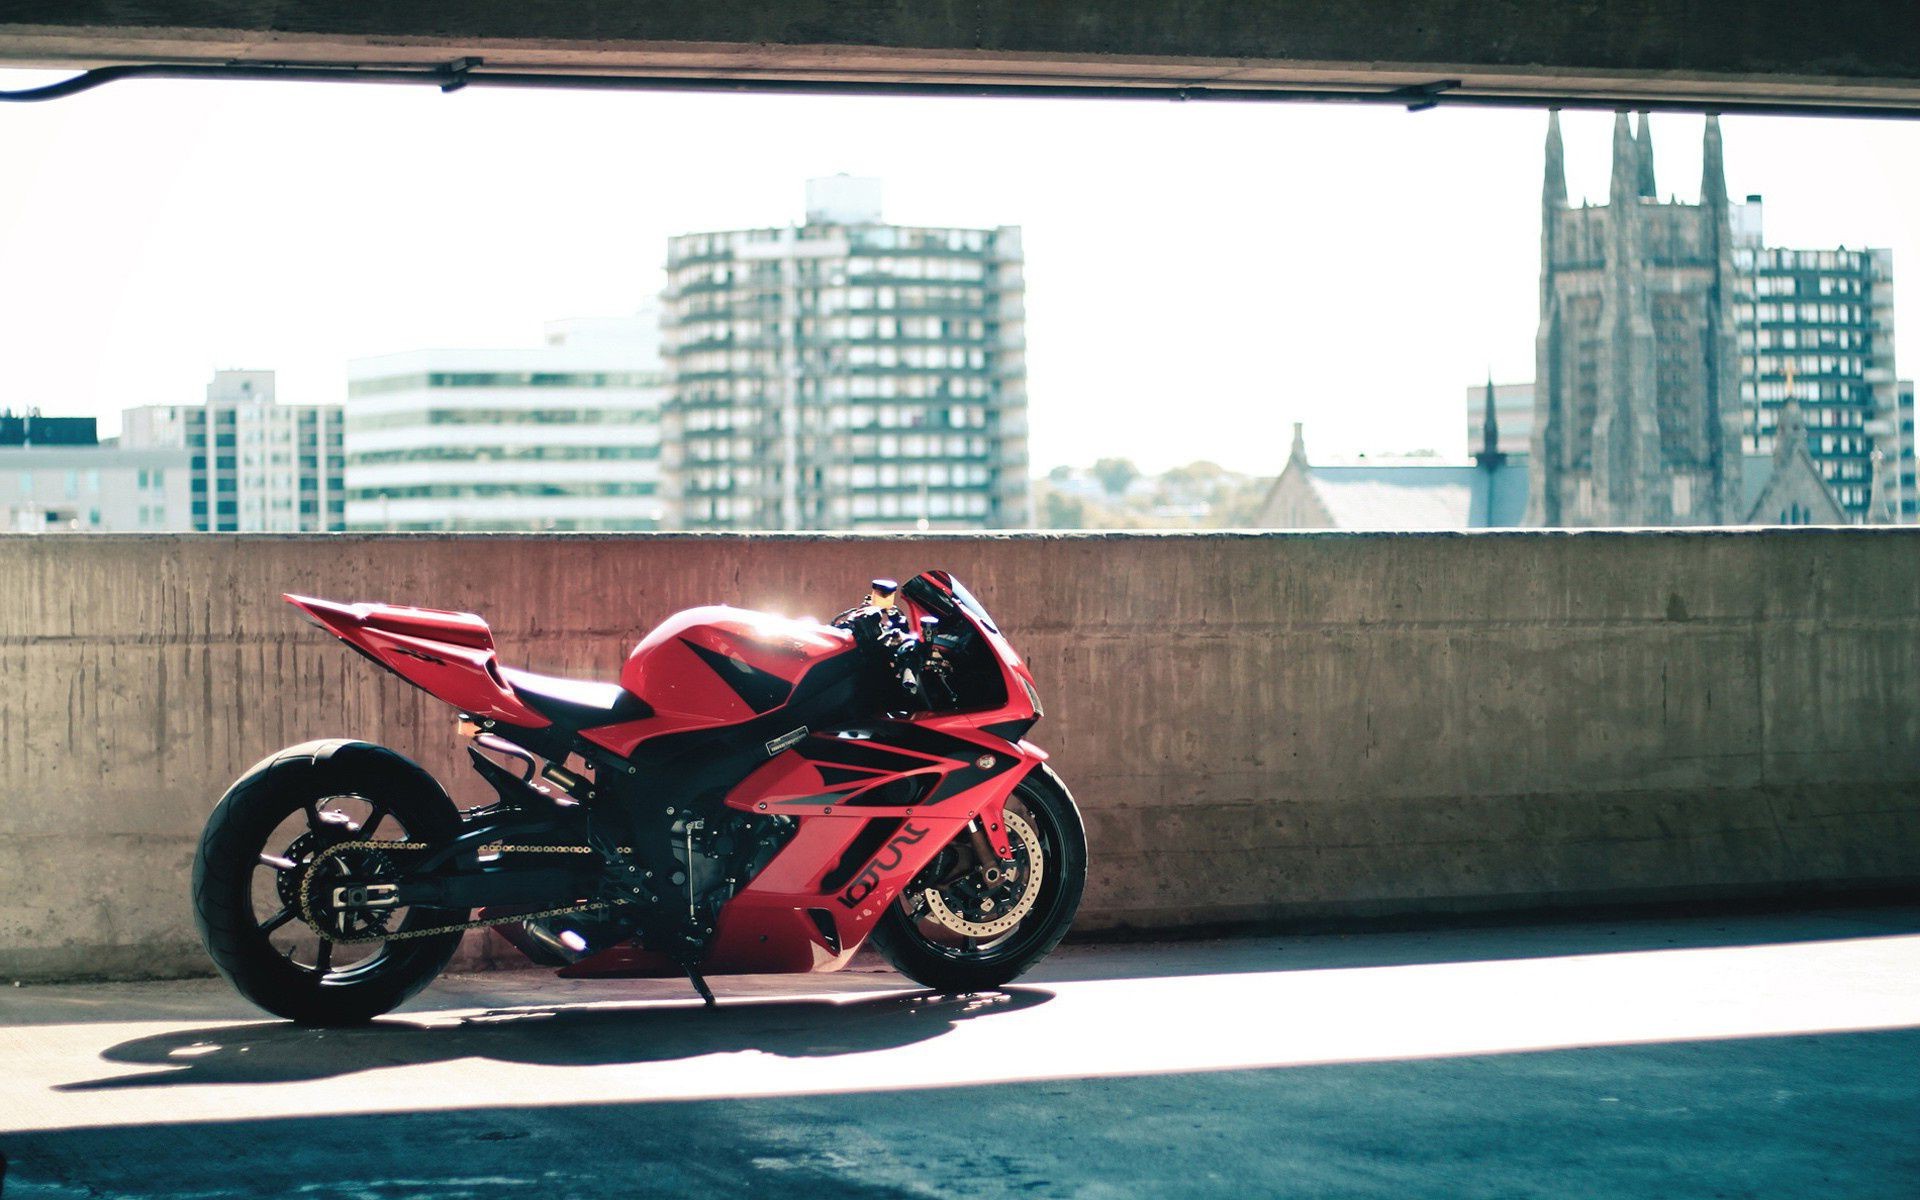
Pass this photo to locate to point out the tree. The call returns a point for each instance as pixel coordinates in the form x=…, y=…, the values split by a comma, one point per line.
x=1115, y=474
x=1062, y=512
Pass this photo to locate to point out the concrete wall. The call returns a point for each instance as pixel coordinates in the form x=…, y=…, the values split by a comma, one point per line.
x=1845, y=50
x=1258, y=727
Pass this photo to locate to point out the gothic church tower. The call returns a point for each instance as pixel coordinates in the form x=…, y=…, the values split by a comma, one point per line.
x=1636, y=395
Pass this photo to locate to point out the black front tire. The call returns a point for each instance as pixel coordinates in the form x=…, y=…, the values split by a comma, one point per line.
x=906, y=940
x=396, y=800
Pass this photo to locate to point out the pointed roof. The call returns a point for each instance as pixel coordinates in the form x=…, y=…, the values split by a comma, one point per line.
x=1291, y=502
x=1625, y=182
x=1713, y=167
x=1795, y=492
x=1645, y=166
x=1489, y=455
x=1397, y=496
x=1553, y=192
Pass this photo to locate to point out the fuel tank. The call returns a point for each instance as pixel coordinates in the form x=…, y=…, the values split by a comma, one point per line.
x=718, y=665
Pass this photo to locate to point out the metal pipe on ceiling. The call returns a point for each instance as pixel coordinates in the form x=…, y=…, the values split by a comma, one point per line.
x=469, y=72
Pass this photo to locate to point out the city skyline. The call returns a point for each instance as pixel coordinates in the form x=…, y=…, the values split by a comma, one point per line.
x=272, y=232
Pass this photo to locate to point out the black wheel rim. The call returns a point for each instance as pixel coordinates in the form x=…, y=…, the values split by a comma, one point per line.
x=283, y=858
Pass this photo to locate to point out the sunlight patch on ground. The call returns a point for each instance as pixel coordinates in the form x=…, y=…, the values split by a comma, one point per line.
x=137, y=1073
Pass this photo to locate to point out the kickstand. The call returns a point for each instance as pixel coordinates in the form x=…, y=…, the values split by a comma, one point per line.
x=700, y=985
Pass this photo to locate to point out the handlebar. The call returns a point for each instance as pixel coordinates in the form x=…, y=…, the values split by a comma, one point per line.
x=914, y=658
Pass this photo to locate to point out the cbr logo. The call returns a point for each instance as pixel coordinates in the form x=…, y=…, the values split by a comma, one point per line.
x=892, y=853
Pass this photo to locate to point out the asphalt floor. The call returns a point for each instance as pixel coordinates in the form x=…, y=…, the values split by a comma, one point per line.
x=1773, y=1055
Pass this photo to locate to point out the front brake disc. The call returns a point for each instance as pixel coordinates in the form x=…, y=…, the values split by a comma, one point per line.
x=942, y=909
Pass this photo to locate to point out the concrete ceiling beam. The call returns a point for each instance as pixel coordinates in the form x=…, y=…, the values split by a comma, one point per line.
x=1709, y=52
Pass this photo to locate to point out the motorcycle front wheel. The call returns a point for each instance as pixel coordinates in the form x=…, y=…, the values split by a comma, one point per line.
x=273, y=829
x=965, y=925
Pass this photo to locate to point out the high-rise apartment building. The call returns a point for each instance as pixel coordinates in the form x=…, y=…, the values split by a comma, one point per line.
x=1899, y=492
x=563, y=436
x=1816, y=326
x=257, y=465
x=846, y=373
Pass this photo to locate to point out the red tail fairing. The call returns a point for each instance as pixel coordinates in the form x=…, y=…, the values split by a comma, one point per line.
x=448, y=654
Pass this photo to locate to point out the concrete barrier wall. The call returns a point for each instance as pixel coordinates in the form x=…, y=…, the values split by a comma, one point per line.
x=1258, y=727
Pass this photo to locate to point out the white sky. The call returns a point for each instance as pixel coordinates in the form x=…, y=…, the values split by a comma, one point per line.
x=1199, y=275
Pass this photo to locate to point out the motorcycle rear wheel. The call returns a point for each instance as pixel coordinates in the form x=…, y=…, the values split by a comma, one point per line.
x=248, y=873
x=911, y=934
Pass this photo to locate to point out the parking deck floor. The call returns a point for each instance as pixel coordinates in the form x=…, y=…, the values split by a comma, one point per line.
x=1750, y=1055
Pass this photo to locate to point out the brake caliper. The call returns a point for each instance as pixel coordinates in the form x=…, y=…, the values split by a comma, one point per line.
x=990, y=827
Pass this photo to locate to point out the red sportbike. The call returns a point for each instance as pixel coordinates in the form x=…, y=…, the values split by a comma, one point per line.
x=755, y=795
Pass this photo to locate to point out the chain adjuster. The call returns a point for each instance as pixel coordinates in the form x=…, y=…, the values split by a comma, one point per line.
x=367, y=895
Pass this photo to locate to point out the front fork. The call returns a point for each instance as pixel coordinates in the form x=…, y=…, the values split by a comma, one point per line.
x=988, y=831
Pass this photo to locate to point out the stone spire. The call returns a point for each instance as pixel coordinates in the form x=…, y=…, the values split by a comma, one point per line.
x=1724, y=413
x=1489, y=455
x=1553, y=193
x=1298, y=452
x=1543, y=501
x=1645, y=142
x=1713, y=168
x=1625, y=183
x=1626, y=450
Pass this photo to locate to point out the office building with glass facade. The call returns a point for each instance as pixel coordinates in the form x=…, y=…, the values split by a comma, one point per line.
x=563, y=436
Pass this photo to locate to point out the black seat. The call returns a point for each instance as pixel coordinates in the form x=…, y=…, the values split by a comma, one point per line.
x=576, y=703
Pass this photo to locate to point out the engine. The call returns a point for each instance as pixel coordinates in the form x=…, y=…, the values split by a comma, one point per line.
x=714, y=857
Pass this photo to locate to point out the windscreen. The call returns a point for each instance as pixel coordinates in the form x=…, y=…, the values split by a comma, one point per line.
x=941, y=592
x=972, y=605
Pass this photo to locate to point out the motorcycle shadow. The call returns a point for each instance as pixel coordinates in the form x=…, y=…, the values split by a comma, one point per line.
x=553, y=1035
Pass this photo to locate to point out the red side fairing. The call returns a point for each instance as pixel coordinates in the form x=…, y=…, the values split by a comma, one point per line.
x=448, y=654
x=873, y=812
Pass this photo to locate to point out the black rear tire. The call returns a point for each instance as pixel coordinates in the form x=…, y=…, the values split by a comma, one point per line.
x=925, y=953
x=397, y=801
